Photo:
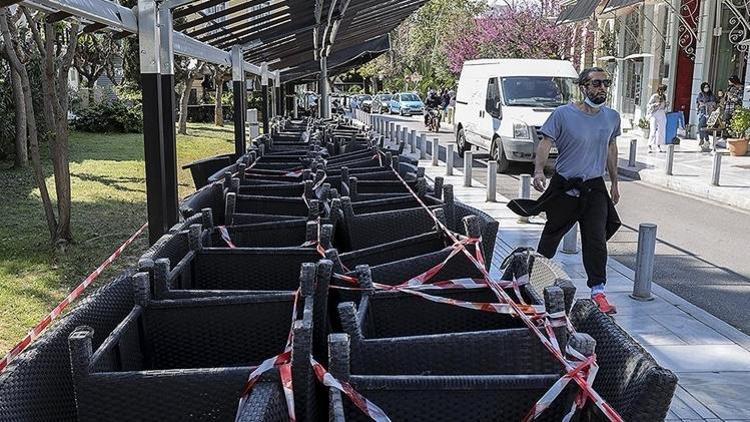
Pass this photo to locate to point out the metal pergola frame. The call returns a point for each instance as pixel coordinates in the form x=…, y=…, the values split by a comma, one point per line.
x=265, y=38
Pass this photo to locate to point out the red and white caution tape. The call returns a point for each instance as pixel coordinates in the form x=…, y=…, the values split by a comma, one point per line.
x=72, y=296
x=366, y=406
x=574, y=373
x=225, y=236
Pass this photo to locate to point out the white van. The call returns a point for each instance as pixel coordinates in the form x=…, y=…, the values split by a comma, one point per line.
x=501, y=104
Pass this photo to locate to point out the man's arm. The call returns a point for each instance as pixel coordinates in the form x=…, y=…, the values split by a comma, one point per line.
x=612, y=170
x=542, y=154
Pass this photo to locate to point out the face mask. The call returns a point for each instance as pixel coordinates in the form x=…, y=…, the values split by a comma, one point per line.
x=593, y=104
x=706, y=90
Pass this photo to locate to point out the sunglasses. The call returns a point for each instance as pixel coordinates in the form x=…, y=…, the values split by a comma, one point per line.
x=596, y=83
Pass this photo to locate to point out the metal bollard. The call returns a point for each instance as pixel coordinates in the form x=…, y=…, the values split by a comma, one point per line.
x=423, y=146
x=670, y=159
x=570, y=241
x=397, y=138
x=405, y=134
x=492, y=181
x=412, y=141
x=644, y=262
x=716, y=169
x=631, y=157
x=435, y=152
x=449, y=160
x=468, y=163
x=524, y=192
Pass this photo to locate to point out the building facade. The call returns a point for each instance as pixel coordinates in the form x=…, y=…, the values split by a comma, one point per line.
x=679, y=43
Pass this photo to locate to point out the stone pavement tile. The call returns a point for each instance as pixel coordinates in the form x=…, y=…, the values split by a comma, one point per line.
x=690, y=330
x=712, y=358
x=686, y=407
x=614, y=285
x=629, y=306
x=646, y=330
x=724, y=393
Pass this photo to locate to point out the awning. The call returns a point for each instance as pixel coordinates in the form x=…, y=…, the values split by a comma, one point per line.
x=613, y=5
x=579, y=11
x=340, y=61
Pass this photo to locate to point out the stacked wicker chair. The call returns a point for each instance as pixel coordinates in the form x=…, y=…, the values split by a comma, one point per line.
x=319, y=275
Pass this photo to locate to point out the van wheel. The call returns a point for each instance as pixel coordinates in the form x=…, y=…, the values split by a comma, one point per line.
x=498, y=155
x=461, y=143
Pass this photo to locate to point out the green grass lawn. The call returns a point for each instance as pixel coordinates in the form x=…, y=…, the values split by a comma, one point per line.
x=109, y=204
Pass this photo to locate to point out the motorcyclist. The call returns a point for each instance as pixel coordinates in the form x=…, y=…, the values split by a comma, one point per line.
x=432, y=102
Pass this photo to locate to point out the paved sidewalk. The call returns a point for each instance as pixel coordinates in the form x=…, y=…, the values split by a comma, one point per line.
x=691, y=172
x=710, y=357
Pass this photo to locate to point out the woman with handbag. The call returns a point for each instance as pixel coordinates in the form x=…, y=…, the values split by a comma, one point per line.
x=657, y=113
x=706, y=103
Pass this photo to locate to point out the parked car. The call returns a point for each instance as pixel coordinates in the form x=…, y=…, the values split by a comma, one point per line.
x=365, y=102
x=502, y=103
x=406, y=104
x=380, y=103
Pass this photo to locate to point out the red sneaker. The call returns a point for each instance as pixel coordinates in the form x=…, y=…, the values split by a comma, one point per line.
x=601, y=301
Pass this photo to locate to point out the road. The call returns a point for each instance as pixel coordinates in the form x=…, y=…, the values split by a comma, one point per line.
x=702, y=251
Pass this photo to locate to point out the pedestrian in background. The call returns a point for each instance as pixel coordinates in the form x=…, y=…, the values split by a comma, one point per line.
x=657, y=114
x=706, y=104
x=733, y=99
x=585, y=135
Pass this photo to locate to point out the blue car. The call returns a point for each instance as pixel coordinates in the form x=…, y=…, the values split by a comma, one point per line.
x=406, y=104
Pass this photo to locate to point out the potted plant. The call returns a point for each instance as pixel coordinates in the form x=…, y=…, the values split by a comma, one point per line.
x=645, y=126
x=739, y=128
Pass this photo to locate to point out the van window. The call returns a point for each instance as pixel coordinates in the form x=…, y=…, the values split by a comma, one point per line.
x=493, y=97
x=539, y=91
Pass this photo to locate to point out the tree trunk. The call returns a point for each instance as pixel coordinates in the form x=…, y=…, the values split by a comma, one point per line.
x=184, y=98
x=218, y=109
x=31, y=124
x=60, y=147
x=22, y=152
x=90, y=85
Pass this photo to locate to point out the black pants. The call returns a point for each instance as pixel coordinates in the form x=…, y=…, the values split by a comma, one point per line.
x=591, y=214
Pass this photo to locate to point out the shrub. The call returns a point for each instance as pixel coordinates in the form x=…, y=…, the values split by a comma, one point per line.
x=110, y=116
x=740, y=123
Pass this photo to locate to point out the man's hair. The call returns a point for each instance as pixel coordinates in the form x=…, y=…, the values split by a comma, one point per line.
x=585, y=76
x=735, y=79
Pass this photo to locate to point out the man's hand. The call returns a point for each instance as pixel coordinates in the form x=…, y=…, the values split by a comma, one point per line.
x=540, y=181
x=615, y=193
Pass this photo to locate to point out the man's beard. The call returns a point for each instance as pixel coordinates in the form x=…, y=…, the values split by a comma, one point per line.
x=598, y=99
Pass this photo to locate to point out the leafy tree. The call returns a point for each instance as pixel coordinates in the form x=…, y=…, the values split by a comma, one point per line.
x=55, y=47
x=519, y=30
x=418, y=46
x=94, y=57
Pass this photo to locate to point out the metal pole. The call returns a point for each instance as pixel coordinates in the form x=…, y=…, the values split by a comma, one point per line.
x=492, y=181
x=238, y=94
x=405, y=134
x=670, y=159
x=631, y=157
x=166, y=57
x=468, y=162
x=423, y=146
x=264, y=96
x=449, y=160
x=153, y=134
x=716, y=169
x=644, y=262
x=570, y=241
x=397, y=137
x=412, y=141
x=524, y=192
x=277, y=92
x=435, y=152
x=323, y=85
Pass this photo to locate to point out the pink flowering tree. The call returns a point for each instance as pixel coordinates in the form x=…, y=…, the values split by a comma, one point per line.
x=518, y=30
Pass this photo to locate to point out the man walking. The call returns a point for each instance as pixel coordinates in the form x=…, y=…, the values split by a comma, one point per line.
x=585, y=136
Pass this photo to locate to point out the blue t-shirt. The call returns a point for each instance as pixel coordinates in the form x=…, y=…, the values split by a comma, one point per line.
x=582, y=140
